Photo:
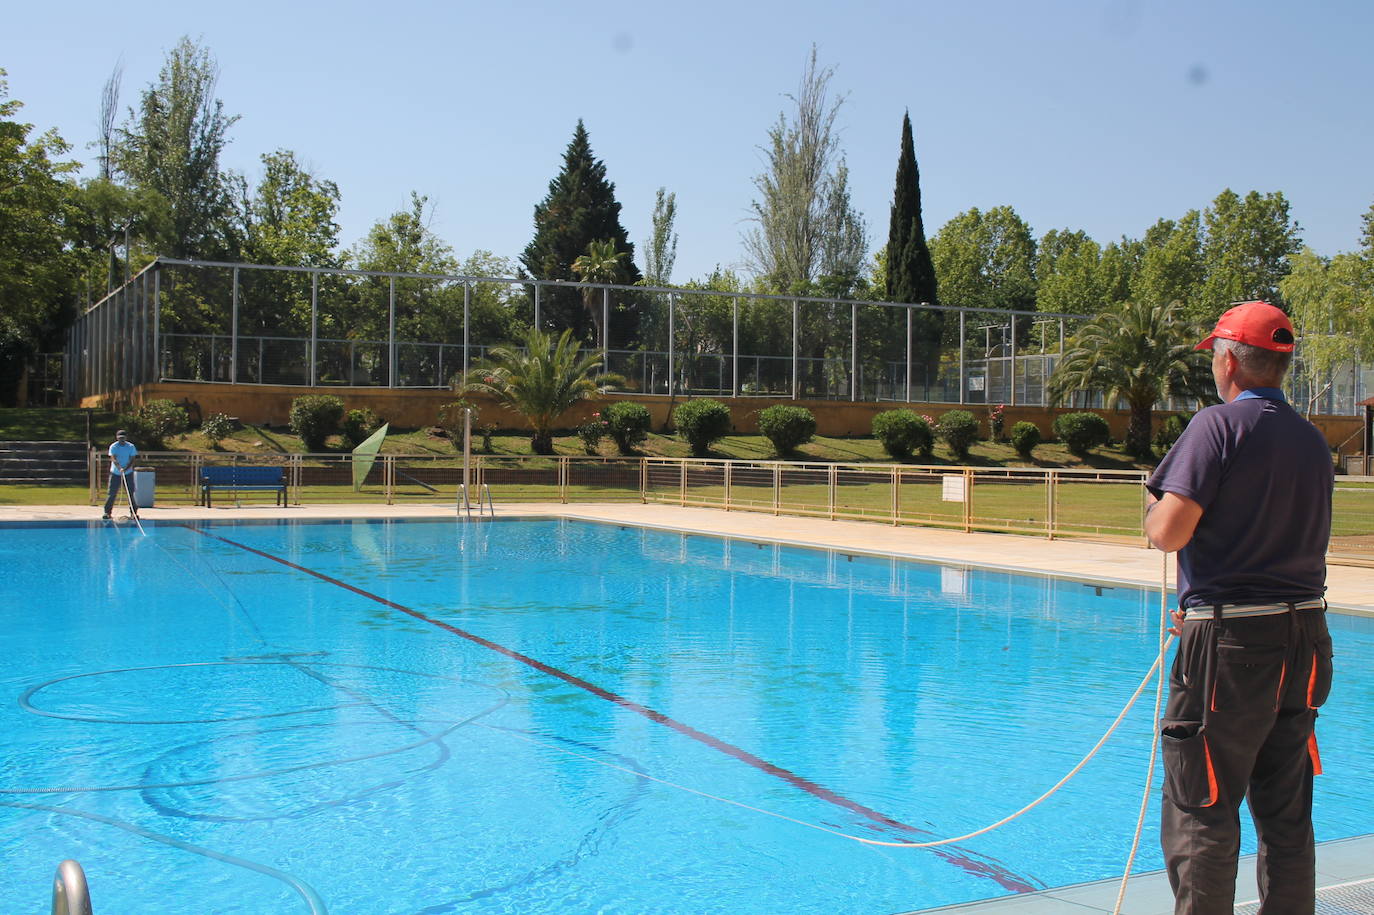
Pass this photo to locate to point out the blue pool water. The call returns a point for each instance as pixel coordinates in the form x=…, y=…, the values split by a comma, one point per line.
x=551, y=716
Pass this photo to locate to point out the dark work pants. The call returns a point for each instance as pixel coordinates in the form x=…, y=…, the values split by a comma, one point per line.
x=1242, y=704
x=117, y=486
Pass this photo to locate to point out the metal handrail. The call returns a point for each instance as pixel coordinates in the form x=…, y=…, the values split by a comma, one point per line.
x=483, y=497
x=70, y=895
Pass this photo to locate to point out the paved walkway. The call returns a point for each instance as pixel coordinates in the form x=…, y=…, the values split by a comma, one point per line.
x=1350, y=589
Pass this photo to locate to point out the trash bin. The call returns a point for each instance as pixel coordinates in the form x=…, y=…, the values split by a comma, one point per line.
x=145, y=482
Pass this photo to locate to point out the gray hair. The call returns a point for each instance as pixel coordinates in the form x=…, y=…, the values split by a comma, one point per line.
x=1264, y=366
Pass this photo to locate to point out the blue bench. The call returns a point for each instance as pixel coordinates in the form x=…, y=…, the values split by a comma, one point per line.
x=240, y=479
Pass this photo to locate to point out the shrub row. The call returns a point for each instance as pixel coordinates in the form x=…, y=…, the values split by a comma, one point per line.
x=700, y=421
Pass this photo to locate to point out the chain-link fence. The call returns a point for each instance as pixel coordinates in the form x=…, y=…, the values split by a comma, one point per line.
x=253, y=324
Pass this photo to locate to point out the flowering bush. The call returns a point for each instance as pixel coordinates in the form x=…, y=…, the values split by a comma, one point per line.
x=592, y=432
x=995, y=421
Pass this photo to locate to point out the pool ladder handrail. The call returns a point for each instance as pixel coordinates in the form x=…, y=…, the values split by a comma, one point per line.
x=483, y=498
x=70, y=895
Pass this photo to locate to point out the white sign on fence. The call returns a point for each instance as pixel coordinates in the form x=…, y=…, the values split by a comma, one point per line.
x=953, y=488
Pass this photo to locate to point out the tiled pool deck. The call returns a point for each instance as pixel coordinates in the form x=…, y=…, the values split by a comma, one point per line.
x=1350, y=589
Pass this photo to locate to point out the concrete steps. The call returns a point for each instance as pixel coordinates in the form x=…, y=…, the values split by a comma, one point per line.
x=43, y=463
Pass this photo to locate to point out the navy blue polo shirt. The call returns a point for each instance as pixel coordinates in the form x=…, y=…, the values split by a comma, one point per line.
x=1263, y=477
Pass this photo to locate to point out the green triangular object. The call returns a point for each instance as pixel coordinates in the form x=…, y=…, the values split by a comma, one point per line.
x=365, y=455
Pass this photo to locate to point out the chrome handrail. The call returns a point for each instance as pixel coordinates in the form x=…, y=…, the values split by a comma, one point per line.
x=70, y=895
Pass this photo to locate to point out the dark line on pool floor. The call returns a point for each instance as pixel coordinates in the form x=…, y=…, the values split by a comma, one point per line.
x=989, y=868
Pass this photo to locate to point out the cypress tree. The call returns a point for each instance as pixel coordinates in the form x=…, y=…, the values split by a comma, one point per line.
x=910, y=270
x=579, y=209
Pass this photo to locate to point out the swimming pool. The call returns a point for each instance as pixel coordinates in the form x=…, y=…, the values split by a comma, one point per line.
x=545, y=716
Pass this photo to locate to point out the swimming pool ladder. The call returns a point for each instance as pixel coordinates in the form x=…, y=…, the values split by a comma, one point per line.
x=69, y=893
x=483, y=498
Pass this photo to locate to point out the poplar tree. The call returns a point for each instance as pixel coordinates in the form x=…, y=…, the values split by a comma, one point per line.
x=579, y=209
x=910, y=270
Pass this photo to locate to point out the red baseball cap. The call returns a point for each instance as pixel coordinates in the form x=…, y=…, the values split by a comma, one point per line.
x=1256, y=323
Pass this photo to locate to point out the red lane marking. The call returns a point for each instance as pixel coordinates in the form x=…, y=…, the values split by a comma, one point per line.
x=985, y=868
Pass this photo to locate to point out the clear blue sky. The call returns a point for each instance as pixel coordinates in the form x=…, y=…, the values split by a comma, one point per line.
x=1100, y=116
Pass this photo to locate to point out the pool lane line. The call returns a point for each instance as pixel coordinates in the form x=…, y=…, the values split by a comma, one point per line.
x=994, y=871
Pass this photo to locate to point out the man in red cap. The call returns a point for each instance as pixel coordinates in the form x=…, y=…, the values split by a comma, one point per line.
x=1244, y=496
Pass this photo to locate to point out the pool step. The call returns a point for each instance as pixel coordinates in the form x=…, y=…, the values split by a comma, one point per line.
x=43, y=463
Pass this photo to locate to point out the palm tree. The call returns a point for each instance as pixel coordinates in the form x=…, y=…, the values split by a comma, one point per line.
x=540, y=379
x=1137, y=353
x=601, y=264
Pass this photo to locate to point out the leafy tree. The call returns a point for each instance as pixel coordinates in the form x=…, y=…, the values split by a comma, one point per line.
x=1332, y=306
x=427, y=310
x=290, y=221
x=540, y=378
x=37, y=270
x=661, y=252
x=986, y=260
x=492, y=307
x=1067, y=273
x=601, y=264
x=172, y=145
x=1246, y=248
x=579, y=208
x=1171, y=266
x=910, y=275
x=807, y=227
x=1136, y=353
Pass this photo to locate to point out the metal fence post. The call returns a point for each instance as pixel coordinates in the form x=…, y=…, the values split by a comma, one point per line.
x=796, y=324
x=157, y=322
x=963, y=381
x=536, y=304
x=896, y=492
x=606, y=328
x=853, y=353
x=234, y=333
x=391, y=333
x=1013, y=360
x=968, y=499
x=734, y=348
x=729, y=467
x=909, y=311
x=777, y=487
x=682, y=483
x=672, y=332
x=1051, y=478
x=467, y=329
x=314, y=328
x=832, y=480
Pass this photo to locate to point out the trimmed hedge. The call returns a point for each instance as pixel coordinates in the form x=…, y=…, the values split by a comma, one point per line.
x=959, y=430
x=315, y=417
x=702, y=422
x=627, y=424
x=786, y=427
x=1024, y=437
x=902, y=432
x=1081, y=432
